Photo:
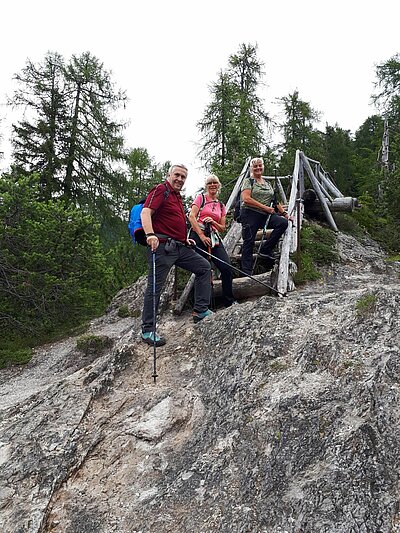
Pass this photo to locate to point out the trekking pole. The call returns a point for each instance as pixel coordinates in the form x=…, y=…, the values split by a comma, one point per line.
x=207, y=232
x=241, y=272
x=153, y=254
x=264, y=234
x=212, y=279
x=275, y=197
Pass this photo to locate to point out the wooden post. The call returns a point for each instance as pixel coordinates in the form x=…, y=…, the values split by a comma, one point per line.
x=329, y=185
x=385, y=146
x=298, y=213
x=287, y=243
x=301, y=185
x=238, y=184
x=317, y=188
x=175, y=290
x=318, y=175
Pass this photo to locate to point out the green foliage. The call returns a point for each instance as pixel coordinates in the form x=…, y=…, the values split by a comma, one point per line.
x=93, y=344
x=388, y=84
x=128, y=262
x=14, y=352
x=298, y=132
x=366, y=305
x=348, y=224
x=367, y=144
x=72, y=138
x=339, y=159
x=143, y=174
x=377, y=226
x=53, y=272
x=317, y=248
x=123, y=311
x=307, y=270
x=233, y=125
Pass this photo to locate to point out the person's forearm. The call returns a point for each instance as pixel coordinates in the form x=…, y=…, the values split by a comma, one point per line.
x=218, y=226
x=195, y=225
x=147, y=222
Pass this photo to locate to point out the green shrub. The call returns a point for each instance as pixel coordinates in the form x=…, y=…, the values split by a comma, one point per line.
x=12, y=353
x=373, y=218
x=366, y=305
x=124, y=312
x=348, y=224
x=307, y=270
x=53, y=271
x=317, y=248
x=127, y=261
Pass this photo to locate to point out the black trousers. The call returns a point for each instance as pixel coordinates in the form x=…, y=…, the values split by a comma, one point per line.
x=183, y=257
x=252, y=221
x=226, y=272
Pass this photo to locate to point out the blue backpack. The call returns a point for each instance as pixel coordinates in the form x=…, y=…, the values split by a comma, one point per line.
x=136, y=230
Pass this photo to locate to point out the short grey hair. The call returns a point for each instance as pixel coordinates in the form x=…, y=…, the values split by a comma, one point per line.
x=256, y=160
x=171, y=168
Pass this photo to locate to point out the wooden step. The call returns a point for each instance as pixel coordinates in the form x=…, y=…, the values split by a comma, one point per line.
x=245, y=287
x=238, y=257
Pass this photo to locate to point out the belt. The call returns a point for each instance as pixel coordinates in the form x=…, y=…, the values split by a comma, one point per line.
x=165, y=238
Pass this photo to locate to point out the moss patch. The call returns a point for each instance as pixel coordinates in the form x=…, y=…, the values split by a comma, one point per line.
x=92, y=344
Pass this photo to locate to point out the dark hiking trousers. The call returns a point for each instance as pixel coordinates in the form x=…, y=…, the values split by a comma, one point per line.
x=252, y=221
x=183, y=257
x=226, y=272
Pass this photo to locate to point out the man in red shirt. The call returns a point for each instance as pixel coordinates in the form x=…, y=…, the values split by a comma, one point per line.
x=164, y=223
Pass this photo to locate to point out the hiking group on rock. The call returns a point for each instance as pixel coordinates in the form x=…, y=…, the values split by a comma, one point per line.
x=169, y=243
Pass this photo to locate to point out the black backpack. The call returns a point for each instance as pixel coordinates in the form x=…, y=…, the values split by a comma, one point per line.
x=238, y=203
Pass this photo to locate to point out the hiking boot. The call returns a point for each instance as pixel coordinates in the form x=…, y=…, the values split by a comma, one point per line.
x=233, y=302
x=199, y=316
x=148, y=337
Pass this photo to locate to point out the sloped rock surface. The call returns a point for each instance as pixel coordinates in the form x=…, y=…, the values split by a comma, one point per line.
x=277, y=415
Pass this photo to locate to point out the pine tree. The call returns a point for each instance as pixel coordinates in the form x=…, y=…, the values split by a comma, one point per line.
x=69, y=134
x=366, y=145
x=143, y=173
x=218, y=122
x=339, y=159
x=388, y=100
x=37, y=139
x=299, y=131
x=93, y=138
x=53, y=270
x=234, y=123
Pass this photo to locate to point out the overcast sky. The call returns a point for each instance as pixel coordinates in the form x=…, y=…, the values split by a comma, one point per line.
x=166, y=53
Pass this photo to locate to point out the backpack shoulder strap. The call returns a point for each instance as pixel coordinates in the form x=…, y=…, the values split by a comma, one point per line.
x=166, y=192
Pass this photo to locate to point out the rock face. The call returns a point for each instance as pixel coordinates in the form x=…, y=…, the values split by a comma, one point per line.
x=277, y=415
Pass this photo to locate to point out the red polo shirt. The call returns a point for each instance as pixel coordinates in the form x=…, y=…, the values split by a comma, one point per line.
x=169, y=216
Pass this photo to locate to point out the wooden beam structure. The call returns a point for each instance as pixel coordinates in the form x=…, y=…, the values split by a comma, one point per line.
x=328, y=199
